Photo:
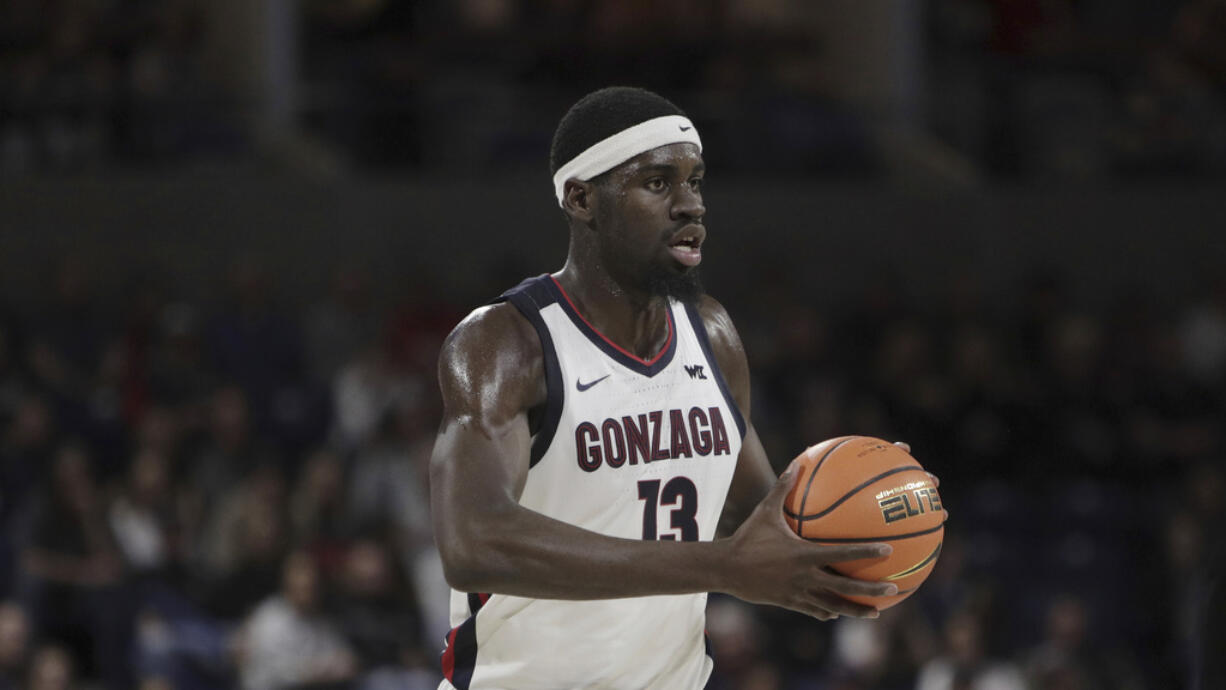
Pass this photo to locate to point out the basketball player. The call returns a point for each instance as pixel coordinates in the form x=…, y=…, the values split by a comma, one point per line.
x=597, y=431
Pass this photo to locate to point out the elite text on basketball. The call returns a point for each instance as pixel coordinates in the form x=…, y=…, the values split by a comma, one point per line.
x=897, y=504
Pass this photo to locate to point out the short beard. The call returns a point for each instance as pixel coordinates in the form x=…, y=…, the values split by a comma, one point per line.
x=684, y=287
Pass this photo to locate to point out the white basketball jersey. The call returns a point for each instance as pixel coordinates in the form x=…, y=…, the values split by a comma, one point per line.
x=631, y=448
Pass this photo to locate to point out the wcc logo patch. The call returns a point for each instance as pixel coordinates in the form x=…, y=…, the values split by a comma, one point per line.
x=695, y=371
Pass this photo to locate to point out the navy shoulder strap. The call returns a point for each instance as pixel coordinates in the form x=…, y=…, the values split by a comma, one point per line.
x=529, y=297
x=700, y=330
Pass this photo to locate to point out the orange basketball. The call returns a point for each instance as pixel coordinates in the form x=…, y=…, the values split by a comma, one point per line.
x=859, y=489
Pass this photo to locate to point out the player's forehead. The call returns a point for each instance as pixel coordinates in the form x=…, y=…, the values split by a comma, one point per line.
x=685, y=158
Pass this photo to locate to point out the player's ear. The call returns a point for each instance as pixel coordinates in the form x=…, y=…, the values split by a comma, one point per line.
x=579, y=200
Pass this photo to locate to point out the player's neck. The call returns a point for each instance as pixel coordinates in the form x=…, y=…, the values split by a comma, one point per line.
x=637, y=322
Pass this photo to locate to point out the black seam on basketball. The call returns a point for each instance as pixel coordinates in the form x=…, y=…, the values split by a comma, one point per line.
x=866, y=540
x=853, y=492
x=805, y=496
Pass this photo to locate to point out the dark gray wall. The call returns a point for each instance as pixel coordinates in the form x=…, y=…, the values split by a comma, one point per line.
x=832, y=237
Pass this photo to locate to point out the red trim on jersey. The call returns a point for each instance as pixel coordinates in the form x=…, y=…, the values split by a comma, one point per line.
x=646, y=362
x=448, y=661
x=484, y=597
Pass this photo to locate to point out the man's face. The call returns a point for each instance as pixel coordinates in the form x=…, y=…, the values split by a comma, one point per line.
x=649, y=221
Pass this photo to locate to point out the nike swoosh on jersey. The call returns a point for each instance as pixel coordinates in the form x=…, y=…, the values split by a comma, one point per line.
x=684, y=129
x=584, y=386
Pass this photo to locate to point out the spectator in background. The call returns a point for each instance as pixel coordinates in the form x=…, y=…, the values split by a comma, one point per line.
x=99, y=82
x=158, y=430
x=987, y=389
x=388, y=493
x=965, y=665
x=377, y=615
x=868, y=655
x=103, y=411
x=245, y=542
x=156, y=683
x=252, y=342
x=25, y=452
x=338, y=327
x=1174, y=111
x=227, y=454
x=736, y=638
x=387, y=486
x=1202, y=336
x=178, y=376
x=25, y=447
x=1194, y=586
x=142, y=517
x=364, y=391
x=288, y=641
x=73, y=571
x=373, y=55
x=1074, y=369
x=317, y=508
x=14, y=645
x=169, y=111
x=1067, y=659
x=66, y=336
x=67, y=83
x=51, y=668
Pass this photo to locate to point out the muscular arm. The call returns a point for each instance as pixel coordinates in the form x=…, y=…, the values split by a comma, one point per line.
x=491, y=375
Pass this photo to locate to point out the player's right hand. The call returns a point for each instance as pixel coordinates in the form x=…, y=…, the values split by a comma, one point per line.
x=771, y=564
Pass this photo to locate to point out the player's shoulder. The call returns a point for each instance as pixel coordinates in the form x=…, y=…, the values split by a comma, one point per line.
x=494, y=350
x=709, y=307
x=494, y=330
x=718, y=325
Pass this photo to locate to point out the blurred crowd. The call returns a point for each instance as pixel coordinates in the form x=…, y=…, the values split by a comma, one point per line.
x=228, y=489
x=1071, y=89
x=217, y=495
x=89, y=84
x=1083, y=463
x=231, y=490
x=1081, y=89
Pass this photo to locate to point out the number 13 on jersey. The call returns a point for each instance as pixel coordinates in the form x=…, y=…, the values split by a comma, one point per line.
x=682, y=495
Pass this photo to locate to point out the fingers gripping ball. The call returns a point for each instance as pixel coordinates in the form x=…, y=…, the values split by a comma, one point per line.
x=859, y=489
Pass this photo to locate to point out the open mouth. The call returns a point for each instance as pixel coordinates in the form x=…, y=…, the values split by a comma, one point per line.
x=686, y=245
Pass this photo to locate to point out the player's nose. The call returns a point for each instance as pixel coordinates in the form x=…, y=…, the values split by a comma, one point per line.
x=688, y=204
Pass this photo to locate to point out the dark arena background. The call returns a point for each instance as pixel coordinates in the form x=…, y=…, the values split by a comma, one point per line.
x=233, y=234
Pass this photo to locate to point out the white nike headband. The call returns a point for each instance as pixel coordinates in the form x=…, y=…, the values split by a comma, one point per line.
x=609, y=153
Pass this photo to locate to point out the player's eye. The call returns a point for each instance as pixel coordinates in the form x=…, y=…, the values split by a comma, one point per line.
x=656, y=184
x=696, y=184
